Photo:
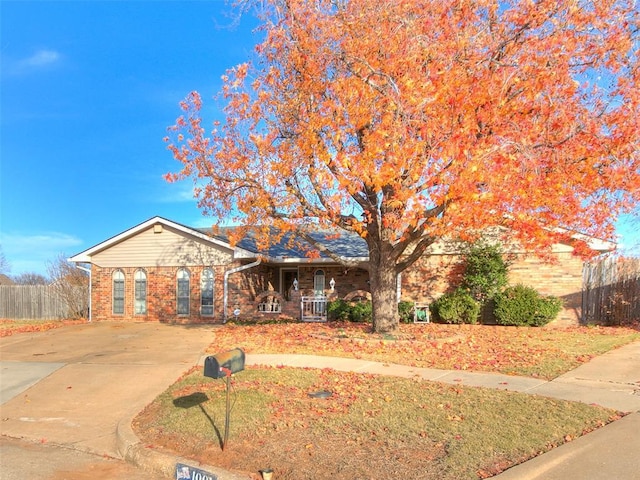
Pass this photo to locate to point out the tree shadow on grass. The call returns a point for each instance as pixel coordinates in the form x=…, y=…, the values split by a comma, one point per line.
x=197, y=399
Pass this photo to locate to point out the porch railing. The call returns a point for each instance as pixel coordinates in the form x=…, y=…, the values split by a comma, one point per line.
x=313, y=309
x=270, y=307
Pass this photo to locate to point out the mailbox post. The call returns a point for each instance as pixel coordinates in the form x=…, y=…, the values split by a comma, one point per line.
x=224, y=365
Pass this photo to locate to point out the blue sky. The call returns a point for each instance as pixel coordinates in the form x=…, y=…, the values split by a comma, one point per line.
x=88, y=89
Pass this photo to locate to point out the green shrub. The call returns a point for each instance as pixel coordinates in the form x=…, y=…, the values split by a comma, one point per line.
x=351, y=311
x=548, y=309
x=524, y=306
x=338, y=310
x=456, y=307
x=361, y=312
x=405, y=311
x=485, y=273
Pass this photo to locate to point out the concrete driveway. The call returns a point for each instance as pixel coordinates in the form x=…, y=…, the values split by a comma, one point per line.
x=71, y=386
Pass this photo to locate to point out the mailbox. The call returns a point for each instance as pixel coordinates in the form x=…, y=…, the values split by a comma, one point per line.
x=224, y=364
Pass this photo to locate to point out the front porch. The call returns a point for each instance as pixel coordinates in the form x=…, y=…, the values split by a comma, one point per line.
x=300, y=292
x=306, y=308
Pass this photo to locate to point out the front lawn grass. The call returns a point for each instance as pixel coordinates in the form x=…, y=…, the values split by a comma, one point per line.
x=370, y=426
x=534, y=352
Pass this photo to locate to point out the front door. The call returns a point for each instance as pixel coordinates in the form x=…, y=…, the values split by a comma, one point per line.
x=286, y=285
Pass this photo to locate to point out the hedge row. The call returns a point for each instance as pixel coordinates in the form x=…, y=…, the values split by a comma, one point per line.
x=517, y=305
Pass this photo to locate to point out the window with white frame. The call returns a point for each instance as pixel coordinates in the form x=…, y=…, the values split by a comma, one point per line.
x=118, y=292
x=140, y=293
x=183, y=296
x=318, y=282
x=206, y=292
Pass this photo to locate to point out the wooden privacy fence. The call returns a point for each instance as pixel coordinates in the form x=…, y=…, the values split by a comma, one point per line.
x=611, y=291
x=38, y=302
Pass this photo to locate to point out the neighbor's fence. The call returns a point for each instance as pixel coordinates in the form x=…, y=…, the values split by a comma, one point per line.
x=38, y=302
x=611, y=291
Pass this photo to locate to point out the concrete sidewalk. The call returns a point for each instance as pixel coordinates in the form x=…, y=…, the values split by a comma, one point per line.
x=611, y=380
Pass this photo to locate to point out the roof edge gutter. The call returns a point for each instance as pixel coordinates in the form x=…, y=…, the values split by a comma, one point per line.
x=225, y=300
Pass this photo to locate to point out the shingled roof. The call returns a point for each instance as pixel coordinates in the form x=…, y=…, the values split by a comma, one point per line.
x=290, y=245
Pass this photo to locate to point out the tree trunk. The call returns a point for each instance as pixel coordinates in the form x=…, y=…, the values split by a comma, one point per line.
x=383, y=283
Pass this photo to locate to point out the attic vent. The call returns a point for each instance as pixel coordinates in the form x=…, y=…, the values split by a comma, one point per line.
x=157, y=228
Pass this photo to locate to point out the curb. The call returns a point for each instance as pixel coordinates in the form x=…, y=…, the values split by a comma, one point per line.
x=133, y=451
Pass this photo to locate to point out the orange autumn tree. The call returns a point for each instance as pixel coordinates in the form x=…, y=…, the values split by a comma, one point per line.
x=410, y=121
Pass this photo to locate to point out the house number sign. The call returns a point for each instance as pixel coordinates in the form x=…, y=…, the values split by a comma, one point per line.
x=185, y=472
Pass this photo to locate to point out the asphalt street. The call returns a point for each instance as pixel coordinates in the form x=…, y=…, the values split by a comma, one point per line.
x=23, y=459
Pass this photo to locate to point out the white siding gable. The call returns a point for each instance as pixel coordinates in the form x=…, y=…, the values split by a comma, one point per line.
x=163, y=246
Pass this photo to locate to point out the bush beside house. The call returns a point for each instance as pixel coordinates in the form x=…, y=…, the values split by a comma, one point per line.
x=358, y=311
x=456, y=307
x=361, y=311
x=485, y=273
x=405, y=310
x=524, y=306
x=483, y=287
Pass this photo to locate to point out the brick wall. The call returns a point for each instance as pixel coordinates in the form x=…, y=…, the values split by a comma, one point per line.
x=432, y=276
x=425, y=281
x=161, y=295
x=562, y=278
x=347, y=279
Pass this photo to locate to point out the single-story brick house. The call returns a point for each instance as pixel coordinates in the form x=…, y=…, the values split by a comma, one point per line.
x=164, y=271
